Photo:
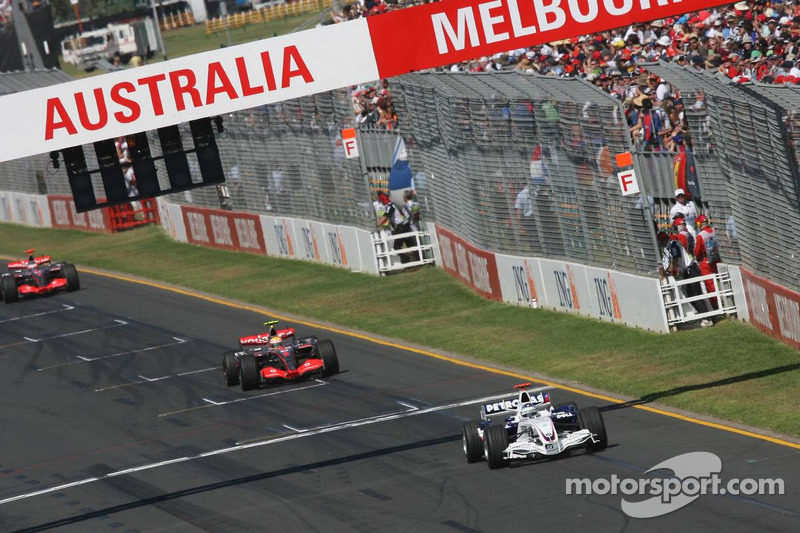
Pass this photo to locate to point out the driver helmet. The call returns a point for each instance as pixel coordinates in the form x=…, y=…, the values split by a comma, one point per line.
x=275, y=342
x=529, y=409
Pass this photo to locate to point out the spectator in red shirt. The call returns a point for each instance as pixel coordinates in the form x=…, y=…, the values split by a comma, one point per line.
x=706, y=252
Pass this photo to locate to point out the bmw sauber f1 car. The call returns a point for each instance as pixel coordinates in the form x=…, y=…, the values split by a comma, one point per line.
x=528, y=427
x=37, y=276
x=277, y=356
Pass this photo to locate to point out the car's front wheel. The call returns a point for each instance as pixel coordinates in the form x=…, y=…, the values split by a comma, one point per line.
x=71, y=275
x=495, y=441
x=471, y=441
x=10, y=293
x=230, y=368
x=248, y=371
x=330, y=361
x=592, y=419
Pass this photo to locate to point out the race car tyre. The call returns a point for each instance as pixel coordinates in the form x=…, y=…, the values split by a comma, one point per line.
x=591, y=419
x=10, y=293
x=495, y=441
x=71, y=274
x=330, y=361
x=248, y=371
x=471, y=441
x=230, y=368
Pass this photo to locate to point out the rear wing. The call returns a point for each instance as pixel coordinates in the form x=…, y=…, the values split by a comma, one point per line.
x=263, y=338
x=19, y=265
x=500, y=409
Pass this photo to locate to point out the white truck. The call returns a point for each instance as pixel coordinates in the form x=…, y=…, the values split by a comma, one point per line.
x=126, y=40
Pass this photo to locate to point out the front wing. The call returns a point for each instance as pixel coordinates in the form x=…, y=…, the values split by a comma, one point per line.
x=528, y=449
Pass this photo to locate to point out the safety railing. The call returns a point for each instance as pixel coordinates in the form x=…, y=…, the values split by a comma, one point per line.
x=684, y=309
x=264, y=13
x=173, y=21
x=127, y=216
x=391, y=260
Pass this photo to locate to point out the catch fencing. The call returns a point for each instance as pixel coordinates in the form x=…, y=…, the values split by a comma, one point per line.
x=746, y=138
x=522, y=165
x=516, y=164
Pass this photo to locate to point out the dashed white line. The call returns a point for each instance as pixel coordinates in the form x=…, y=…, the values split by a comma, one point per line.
x=319, y=383
x=266, y=442
x=66, y=308
x=404, y=404
x=151, y=380
x=287, y=426
x=84, y=359
x=212, y=402
x=118, y=324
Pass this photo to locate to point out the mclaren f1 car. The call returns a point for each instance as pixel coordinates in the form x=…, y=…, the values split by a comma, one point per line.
x=277, y=356
x=37, y=276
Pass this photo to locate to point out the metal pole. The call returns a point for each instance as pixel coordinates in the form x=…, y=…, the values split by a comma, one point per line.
x=646, y=205
x=78, y=16
x=158, y=30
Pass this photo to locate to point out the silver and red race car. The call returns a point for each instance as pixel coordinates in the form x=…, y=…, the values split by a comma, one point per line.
x=277, y=356
x=529, y=427
x=37, y=276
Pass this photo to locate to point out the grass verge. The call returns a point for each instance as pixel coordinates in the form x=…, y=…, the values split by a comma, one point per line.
x=730, y=371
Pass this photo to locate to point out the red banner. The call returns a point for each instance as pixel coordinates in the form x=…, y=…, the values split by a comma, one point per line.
x=451, y=31
x=773, y=308
x=477, y=268
x=228, y=230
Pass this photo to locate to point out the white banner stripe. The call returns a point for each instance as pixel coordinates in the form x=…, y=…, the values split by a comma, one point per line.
x=187, y=88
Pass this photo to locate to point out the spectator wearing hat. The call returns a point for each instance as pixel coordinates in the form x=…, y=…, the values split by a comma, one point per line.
x=682, y=234
x=383, y=211
x=706, y=252
x=685, y=207
x=685, y=265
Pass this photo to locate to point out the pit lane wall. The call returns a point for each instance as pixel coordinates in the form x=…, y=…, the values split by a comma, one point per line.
x=292, y=238
x=552, y=284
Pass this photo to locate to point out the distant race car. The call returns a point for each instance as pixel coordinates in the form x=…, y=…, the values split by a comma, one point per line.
x=277, y=356
x=528, y=427
x=37, y=276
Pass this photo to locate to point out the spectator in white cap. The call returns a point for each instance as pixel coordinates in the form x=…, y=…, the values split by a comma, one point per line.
x=686, y=208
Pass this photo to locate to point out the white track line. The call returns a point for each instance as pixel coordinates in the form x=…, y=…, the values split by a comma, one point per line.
x=66, y=308
x=319, y=383
x=151, y=380
x=82, y=359
x=266, y=442
x=118, y=324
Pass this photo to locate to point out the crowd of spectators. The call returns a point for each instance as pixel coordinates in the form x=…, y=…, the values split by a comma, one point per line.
x=752, y=40
x=6, y=13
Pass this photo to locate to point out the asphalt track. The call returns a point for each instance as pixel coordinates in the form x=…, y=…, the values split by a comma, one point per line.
x=115, y=418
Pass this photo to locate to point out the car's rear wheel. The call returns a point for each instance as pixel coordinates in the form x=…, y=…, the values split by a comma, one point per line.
x=330, y=361
x=471, y=441
x=495, y=441
x=591, y=419
x=71, y=274
x=10, y=293
x=230, y=368
x=248, y=371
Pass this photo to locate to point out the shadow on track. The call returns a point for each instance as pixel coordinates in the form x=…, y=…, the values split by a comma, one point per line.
x=155, y=500
x=654, y=396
